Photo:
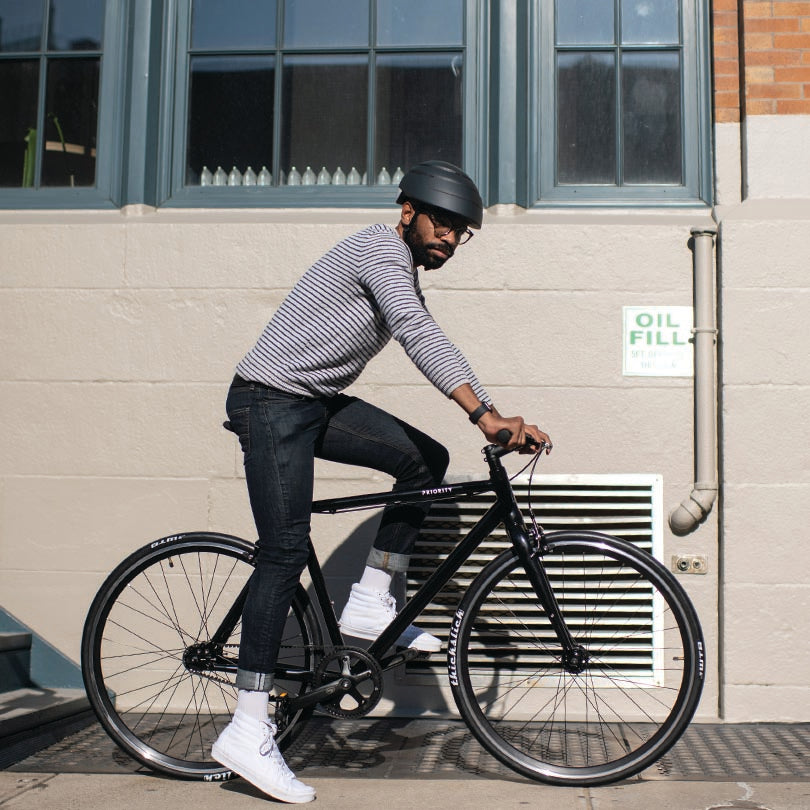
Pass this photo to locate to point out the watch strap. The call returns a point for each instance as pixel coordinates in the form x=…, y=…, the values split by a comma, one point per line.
x=479, y=412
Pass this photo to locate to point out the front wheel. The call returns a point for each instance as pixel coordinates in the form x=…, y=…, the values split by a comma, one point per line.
x=603, y=712
x=161, y=644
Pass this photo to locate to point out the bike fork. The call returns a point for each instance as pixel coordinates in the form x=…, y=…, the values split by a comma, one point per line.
x=574, y=655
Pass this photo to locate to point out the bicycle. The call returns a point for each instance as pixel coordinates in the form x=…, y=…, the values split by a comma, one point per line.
x=569, y=707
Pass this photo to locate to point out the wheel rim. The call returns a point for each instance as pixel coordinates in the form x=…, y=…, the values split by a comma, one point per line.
x=609, y=711
x=152, y=681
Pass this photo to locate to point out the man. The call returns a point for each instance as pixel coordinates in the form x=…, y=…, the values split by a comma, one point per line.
x=287, y=407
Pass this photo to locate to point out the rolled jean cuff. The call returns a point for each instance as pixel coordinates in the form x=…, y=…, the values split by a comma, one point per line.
x=254, y=681
x=388, y=560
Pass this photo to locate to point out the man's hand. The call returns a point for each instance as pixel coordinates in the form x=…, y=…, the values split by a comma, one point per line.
x=527, y=438
x=491, y=422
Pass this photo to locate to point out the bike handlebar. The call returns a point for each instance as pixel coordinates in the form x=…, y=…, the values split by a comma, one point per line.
x=504, y=434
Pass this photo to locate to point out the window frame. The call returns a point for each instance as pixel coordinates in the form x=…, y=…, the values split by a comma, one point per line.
x=543, y=189
x=107, y=189
x=171, y=189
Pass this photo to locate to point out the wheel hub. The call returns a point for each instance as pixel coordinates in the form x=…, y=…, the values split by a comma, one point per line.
x=576, y=659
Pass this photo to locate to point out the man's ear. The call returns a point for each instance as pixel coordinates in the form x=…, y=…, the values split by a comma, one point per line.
x=407, y=214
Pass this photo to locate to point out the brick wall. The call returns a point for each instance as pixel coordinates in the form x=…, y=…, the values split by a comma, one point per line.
x=725, y=31
x=774, y=59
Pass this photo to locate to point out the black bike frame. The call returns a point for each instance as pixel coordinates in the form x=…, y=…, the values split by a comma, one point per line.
x=505, y=510
x=529, y=547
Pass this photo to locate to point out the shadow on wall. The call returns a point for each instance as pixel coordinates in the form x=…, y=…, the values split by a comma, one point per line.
x=343, y=568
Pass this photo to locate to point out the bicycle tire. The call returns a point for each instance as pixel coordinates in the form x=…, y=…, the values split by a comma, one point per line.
x=635, y=695
x=141, y=637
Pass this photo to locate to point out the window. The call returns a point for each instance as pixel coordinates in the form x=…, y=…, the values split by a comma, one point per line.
x=319, y=103
x=623, y=113
x=51, y=54
x=278, y=96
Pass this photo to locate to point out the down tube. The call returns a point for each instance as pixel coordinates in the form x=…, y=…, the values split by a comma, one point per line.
x=422, y=598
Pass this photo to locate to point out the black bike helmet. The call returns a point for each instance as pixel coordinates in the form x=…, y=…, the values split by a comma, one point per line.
x=443, y=185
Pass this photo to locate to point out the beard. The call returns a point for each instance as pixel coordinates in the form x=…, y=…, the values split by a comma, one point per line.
x=422, y=257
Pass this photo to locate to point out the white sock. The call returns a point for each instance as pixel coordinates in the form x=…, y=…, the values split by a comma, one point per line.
x=253, y=704
x=375, y=579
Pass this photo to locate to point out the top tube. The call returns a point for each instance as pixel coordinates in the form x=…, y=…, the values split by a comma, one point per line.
x=440, y=493
x=352, y=503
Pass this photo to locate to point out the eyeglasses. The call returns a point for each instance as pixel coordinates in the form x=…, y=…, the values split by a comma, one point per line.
x=462, y=233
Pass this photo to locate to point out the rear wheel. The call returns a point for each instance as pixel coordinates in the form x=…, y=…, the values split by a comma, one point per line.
x=161, y=644
x=602, y=711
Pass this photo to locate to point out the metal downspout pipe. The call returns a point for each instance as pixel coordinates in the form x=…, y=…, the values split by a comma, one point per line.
x=685, y=517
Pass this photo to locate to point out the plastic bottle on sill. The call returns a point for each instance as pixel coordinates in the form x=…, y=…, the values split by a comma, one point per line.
x=353, y=177
x=294, y=177
x=249, y=177
x=397, y=177
x=264, y=178
x=308, y=177
x=339, y=177
x=235, y=177
x=383, y=178
x=220, y=178
x=324, y=178
x=206, y=178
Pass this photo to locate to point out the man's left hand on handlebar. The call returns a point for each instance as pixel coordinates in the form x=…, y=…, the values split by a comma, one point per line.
x=525, y=438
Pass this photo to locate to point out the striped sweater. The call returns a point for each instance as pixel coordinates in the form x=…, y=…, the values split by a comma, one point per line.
x=343, y=311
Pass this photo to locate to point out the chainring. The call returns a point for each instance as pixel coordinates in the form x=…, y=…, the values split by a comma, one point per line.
x=358, y=667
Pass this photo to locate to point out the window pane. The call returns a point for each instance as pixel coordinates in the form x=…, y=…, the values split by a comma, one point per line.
x=585, y=22
x=314, y=23
x=651, y=117
x=586, y=118
x=650, y=21
x=230, y=114
x=20, y=25
x=419, y=110
x=71, y=121
x=18, y=142
x=237, y=24
x=419, y=22
x=75, y=25
x=324, y=114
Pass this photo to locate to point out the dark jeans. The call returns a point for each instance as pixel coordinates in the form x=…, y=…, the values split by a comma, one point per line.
x=281, y=435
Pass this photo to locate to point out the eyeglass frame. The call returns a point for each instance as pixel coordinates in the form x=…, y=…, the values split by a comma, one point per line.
x=463, y=233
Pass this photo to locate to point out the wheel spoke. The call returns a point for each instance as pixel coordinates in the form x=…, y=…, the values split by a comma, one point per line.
x=166, y=702
x=591, y=717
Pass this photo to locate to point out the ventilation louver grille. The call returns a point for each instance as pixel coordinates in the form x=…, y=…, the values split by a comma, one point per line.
x=625, y=506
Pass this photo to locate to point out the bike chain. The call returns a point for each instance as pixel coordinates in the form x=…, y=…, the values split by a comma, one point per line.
x=365, y=703
x=319, y=649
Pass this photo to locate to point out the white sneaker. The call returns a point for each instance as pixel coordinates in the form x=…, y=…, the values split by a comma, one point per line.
x=248, y=747
x=368, y=613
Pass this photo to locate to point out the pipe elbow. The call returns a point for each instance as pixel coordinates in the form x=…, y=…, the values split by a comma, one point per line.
x=693, y=510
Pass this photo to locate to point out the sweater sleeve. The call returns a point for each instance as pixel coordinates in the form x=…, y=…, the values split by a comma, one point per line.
x=389, y=279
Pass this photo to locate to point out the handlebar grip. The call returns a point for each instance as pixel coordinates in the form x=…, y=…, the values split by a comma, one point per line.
x=503, y=435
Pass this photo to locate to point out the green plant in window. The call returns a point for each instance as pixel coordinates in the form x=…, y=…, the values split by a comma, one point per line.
x=61, y=135
x=29, y=160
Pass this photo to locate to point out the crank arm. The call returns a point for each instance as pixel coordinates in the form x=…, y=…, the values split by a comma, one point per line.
x=402, y=657
x=323, y=694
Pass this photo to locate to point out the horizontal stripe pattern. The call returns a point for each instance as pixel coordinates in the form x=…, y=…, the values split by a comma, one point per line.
x=343, y=311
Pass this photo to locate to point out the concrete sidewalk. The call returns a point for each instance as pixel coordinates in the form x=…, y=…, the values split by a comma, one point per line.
x=73, y=791
x=408, y=763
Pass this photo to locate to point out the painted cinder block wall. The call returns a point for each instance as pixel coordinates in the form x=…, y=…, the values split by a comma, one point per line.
x=121, y=330
x=762, y=126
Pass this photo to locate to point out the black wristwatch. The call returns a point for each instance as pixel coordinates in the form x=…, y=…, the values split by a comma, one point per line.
x=479, y=412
